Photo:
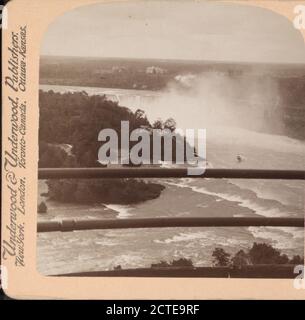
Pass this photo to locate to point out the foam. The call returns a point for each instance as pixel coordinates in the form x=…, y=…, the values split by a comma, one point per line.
x=122, y=210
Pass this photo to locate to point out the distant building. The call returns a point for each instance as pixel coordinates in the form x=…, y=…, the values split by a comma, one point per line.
x=155, y=70
x=118, y=69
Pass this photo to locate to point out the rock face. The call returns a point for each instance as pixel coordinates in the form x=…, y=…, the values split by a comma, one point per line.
x=96, y=191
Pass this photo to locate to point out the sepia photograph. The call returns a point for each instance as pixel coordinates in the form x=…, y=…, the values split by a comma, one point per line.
x=171, y=142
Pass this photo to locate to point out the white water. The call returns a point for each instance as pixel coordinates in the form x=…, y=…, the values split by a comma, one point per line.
x=123, y=211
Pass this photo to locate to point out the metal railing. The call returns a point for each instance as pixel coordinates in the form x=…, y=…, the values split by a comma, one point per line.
x=71, y=225
x=97, y=173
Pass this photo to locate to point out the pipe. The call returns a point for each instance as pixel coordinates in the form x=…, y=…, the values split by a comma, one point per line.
x=73, y=225
x=95, y=173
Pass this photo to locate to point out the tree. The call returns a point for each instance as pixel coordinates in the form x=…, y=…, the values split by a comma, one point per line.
x=182, y=262
x=42, y=208
x=140, y=114
x=141, y=118
x=221, y=257
x=158, y=124
x=51, y=156
x=70, y=162
x=240, y=259
x=170, y=124
x=297, y=260
x=283, y=259
x=262, y=253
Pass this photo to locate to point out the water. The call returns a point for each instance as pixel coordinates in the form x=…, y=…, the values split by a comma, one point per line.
x=134, y=99
x=105, y=249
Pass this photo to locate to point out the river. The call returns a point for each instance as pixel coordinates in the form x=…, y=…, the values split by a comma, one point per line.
x=104, y=249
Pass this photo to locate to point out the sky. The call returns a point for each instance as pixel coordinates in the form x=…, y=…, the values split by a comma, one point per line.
x=175, y=30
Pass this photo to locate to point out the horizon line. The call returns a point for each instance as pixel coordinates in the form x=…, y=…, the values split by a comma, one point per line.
x=173, y=59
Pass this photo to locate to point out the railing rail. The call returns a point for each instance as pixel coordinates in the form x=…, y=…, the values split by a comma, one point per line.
x=274, y=271
x=96, y=173
x=73, y=225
